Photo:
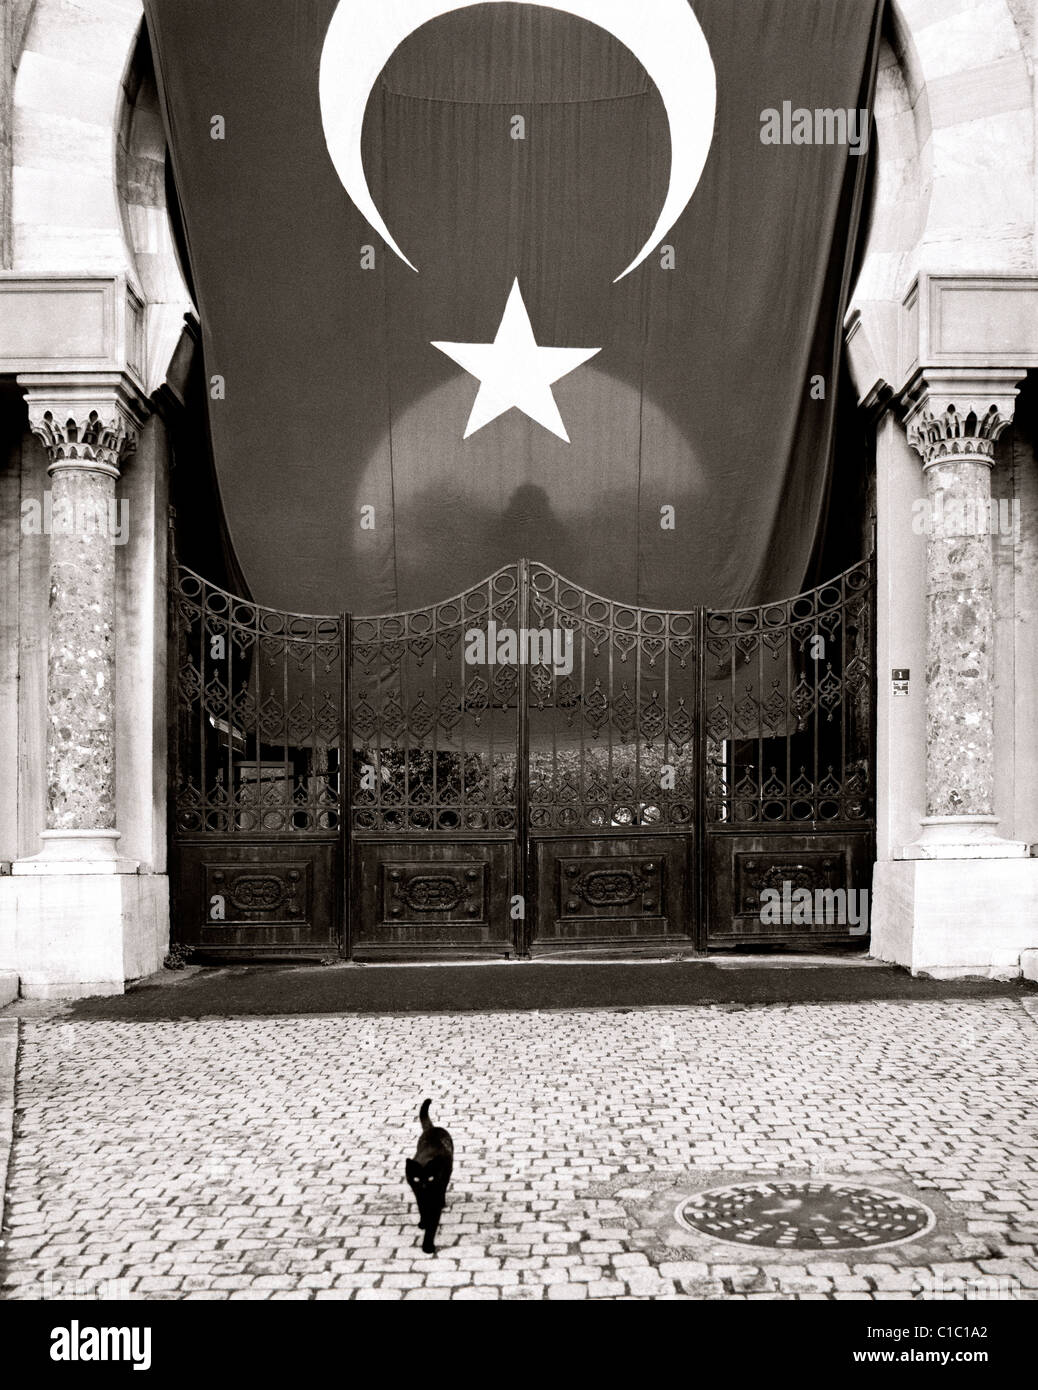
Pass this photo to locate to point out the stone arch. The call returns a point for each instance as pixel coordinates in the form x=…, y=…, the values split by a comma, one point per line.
x=141, y=178
x=86, y=136
x=974, y=73
x=955, y=119
x=903, y=176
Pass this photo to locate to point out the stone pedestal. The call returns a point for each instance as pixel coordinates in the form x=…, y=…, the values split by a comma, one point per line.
x=77, y=934
x=954, y=918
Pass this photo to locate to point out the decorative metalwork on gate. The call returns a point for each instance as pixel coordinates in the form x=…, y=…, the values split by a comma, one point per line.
x=612, y=740
x=637, y=774
x=434, y=727
x=259, y=706
x=788, y=708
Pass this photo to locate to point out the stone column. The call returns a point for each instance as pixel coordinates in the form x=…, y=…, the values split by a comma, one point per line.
x=88, y=430
x=953, y=421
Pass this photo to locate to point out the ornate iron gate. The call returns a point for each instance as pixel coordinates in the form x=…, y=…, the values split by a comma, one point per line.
x=612, y=773
x=532, y=769
x=434, y=790
x=788, y=738
x=257, y=789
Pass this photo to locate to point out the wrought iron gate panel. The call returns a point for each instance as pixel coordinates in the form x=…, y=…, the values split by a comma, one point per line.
x=435, y=735
x=434, y=784
x=611, y=766
x=788, y=710
x=788, y=736
x=611, y=743
x=259, y=717
x=256, y=788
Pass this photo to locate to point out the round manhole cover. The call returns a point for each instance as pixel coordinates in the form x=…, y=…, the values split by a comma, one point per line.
x=805, y=1215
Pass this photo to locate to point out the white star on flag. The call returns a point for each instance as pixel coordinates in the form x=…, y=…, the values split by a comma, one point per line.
x=514, y=372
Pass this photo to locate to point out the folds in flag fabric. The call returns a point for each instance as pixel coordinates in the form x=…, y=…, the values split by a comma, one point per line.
x=384, y=438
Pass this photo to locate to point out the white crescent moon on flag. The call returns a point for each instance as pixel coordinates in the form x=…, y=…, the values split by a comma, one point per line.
x=664, y=35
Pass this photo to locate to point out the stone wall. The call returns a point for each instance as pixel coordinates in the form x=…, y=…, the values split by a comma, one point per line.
x=14, y=22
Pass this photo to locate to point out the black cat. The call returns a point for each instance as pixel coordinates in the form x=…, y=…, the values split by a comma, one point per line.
x=428, y=1174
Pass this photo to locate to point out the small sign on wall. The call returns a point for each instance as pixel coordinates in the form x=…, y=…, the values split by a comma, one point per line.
x=899, y=680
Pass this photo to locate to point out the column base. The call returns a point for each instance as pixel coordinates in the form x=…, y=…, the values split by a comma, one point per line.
x=76, y=852
x=951, y=918
x=75, y=934
x=963, y=837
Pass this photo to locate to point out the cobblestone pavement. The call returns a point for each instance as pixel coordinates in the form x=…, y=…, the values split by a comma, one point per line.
x=263, y=1158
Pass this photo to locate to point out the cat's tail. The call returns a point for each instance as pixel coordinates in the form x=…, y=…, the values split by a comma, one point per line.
x=423, y=1116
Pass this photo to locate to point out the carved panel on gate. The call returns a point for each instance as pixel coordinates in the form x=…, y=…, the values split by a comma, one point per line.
x=416, y=893
x=628, y=887
x=262, y=892
x=759, y=873
x=432, y=895
x=259, y=893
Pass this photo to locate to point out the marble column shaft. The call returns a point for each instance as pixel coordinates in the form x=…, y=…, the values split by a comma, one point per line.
x=954, y=430
x=81, y=652
x=959, y=645
x=86, y=444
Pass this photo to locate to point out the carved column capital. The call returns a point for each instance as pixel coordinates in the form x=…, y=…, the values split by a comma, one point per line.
x=90, y=423
x=959, y=414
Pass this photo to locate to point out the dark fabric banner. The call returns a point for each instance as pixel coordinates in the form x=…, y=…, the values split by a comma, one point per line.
x=508, y=143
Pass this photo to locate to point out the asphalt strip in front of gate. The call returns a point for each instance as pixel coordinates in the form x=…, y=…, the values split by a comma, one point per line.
x=268, y=990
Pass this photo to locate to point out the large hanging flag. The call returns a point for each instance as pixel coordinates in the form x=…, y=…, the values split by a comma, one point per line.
x=486, y=280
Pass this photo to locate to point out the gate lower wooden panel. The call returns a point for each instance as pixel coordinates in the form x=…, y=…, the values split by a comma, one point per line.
x=238, y=900
x=419, y=897
x=612, y=895
x=745, y=867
